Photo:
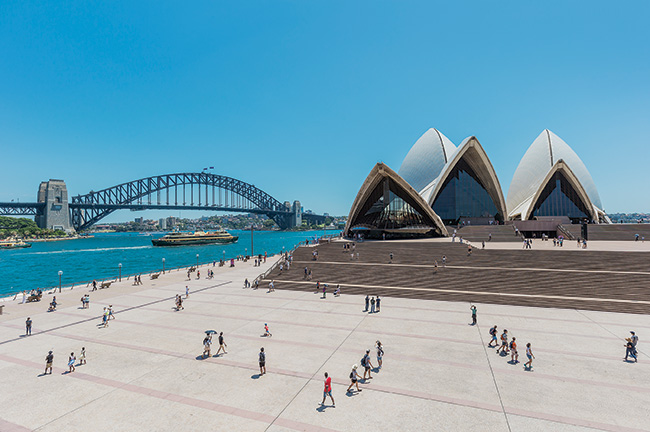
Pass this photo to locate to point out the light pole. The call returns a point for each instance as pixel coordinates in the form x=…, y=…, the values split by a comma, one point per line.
x=224, y=256
x=163, y=265
x=120, y=267
x=197, y=260
x=252, y=249
x=60, y=274
x=246, y=253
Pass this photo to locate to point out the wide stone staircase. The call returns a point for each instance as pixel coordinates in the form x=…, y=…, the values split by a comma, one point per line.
x=479, y=233
x=578, y=279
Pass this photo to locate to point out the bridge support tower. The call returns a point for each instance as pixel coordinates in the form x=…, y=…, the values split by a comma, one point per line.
x=56, y=214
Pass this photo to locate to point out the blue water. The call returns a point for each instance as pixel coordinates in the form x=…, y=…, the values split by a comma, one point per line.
x=98, y=257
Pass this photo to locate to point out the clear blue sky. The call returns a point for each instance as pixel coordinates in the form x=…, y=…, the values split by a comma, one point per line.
x=302, y=98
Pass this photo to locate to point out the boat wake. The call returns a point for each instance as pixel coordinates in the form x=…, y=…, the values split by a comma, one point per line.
x=89, y=250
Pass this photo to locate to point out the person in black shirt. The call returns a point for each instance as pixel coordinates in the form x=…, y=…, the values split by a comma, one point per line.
x=28, y=326
x=367, y=303
x=262, y=360
x=222, y=345
x=48, y=362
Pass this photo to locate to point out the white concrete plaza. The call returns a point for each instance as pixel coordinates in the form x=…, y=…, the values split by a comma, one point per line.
x=144, y=372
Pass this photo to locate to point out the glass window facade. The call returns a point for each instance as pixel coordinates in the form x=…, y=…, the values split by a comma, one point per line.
x=463, y=195
x=559, y=198
x=390, y=207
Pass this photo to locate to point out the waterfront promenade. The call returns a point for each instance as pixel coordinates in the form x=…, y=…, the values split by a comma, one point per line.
x=144, y=372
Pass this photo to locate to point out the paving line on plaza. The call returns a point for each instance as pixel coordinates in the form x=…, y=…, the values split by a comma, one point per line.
x=321, y=366
x=400, y=356
x=410, y=319
x=491, y=293
x=408, y=393
x=639, y=352
x=99, y=316
x=7, y=426
x=508, y=315
x=494, y=378
x=417, y=336
x=189, y=401
x=257, y=416
x=429, y=266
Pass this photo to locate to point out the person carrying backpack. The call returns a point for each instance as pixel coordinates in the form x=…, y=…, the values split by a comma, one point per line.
x=514, y=355
x=493, y=334
x=504, y=342
x=354, y=379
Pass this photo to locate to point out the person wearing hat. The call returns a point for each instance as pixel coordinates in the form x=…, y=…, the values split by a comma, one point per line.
x=48, y=362
x=354, y=379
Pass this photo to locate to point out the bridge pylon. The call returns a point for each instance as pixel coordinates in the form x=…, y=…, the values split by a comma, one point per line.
x=55, y=213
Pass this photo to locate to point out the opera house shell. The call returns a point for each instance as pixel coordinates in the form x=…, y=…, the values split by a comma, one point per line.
x=551, y=180
x=441, y=184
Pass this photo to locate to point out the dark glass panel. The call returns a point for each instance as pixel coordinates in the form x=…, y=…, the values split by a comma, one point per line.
x=559, y=198
x=463, y=195
x=394, y=211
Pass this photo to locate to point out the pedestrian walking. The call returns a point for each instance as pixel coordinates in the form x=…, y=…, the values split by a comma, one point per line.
x=529, y=353
x=324, y=290
x=372, y=305
x=266, y=330
x=354, y=379
x=222, y=345
x=634, y=338
x=207, y=345
x=110, y=312
x=328, y=390
x=82, y=356
x=71, y=361
x=105, y=317
x=49, y=359
x=514, y=355
x=473, y=309
x=391, y=257
x=367, y=303
x=493, y=334
x=630, y=350
x=380, y=354
x=271, y=286
x=262, y=361
x=28, y=326
x=378, y=303
x=187, y=291
x=444, y=260
x=504, y=342
x=367, y=365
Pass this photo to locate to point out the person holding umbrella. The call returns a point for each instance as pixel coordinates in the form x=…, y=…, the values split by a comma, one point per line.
x=207, y=343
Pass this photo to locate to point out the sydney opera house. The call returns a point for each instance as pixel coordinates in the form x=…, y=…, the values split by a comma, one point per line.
x=440, y=184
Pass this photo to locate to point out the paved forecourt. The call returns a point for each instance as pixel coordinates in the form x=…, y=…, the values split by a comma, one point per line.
x=145, y=373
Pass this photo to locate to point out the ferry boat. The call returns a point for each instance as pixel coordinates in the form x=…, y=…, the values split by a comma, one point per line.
x=195, y=238
x=14, y=244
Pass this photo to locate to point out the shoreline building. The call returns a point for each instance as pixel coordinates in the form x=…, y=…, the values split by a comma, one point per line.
x=441, y=184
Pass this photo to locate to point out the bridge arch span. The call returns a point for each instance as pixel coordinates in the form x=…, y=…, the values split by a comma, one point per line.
x=226, y=194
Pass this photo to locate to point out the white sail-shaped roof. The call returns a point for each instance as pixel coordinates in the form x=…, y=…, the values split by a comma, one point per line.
x=541, y=156
x=472, y=151
x=426, y=159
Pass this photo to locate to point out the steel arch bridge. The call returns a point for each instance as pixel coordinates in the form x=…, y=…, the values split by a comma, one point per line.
x=190, y=191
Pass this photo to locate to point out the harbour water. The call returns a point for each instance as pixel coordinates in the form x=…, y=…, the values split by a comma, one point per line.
x=99, y=257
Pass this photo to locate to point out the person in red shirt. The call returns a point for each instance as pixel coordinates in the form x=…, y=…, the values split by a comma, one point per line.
x=328, y=390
